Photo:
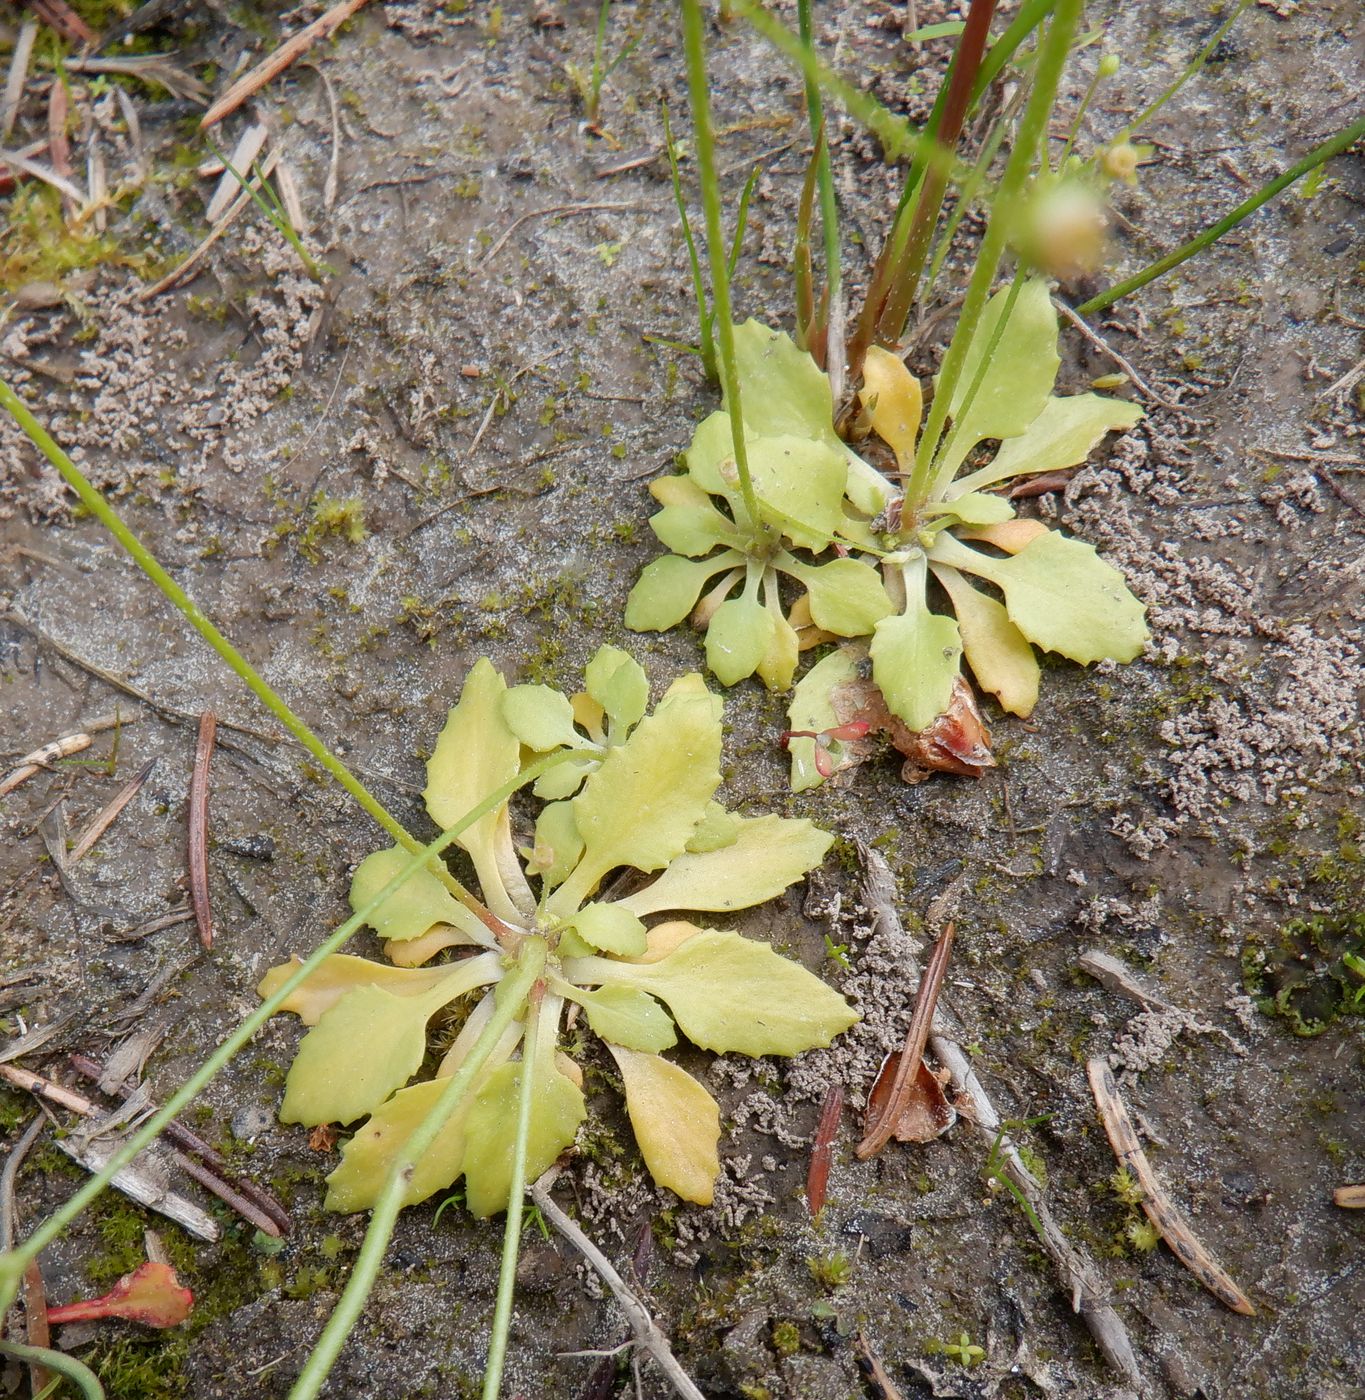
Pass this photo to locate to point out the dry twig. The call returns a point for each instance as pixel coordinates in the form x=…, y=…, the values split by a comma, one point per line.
x=648, y=1336
x=1156, y=1204
x=64, y=747
x=278, y=61
x=102, y=821
x=1101, y=344
x=1081, y=1278
x=199, y=829
x=562, y=209
x=18, y=76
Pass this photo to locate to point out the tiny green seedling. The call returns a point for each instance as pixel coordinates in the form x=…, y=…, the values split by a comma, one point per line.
x=634, y=791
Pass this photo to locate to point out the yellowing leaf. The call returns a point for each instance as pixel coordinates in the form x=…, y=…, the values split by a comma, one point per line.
x=716, y=829
x=366, y=1158
x=676, y=1123
x=667, y=590
x=914, y=662
x=626, y=1016
x=366, y=1046
x=1011, y=535
x=783, y=390
x=729, y=993
x=617, y=682
x=1062, y=435
x=800, y=487
x=662, y=939
x=540, y=717
x=558, y=844
x=370, y=1043
x=415, y=906
x=737, y=639
x=339, y=974
x=1020, y=374
x=1062, y=596
x=974, y=508
x=476, y=754
x=811, y=709
x=897, y=403
x=778, y=664
x=768, y=854
x=1000, y=656
x=611, y=928
x=846, y=596
x=490, y=1130
x=413, y=952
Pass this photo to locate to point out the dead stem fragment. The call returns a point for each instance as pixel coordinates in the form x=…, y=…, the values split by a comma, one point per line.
x=869, y=1363
x=1078, y=1275
x=278, y=61
x=61, y=748
x=102, y=821
x=648, y=1336
x=1156, y=1204
x=191, y=1142
x=199, y=829
x=880, y=1130
x=822, y=1148
x=1349, y=1197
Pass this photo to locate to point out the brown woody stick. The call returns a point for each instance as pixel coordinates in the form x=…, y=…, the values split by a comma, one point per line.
x=199, y=828
x=1156, y=1204
x=278, y=61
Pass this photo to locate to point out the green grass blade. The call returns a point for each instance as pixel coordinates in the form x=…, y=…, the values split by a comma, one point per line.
x=516, y=1201
x=1190, y=70
x=829, y=213
x=1334, y=146
x=694, y=44
x=95, y=503
x=85, y=1380
x=1031, y=14
x=742, y=220
x=1052, y=56
x=708, y=344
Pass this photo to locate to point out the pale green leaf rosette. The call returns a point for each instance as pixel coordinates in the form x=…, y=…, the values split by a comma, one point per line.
x=647, y=804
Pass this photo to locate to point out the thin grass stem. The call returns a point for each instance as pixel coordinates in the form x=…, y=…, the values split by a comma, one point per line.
x=1031, y=14
x=1190, y=70
x=77, y=1372
x=708, y=344
x=273, y=210
x=900, y=139
x=95, y=503
x=14, y=1261
x=1334, y=146
x=742, y=220
x=1052, y=56
x=516, y=1199
x=384, y=1216
x=829, y=213
x=695, y=46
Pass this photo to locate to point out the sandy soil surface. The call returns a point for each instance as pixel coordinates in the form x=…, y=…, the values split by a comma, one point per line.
x=441, y=453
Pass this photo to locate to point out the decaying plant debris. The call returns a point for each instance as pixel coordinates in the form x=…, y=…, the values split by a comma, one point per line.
x=275, y=439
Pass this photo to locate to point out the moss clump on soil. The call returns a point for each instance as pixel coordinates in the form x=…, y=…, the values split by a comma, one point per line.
x=1311, y=971
x=38, y=245
x=339, y=517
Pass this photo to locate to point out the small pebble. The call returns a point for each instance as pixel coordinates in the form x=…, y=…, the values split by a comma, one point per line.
x=256, y=846
x=250, y=1122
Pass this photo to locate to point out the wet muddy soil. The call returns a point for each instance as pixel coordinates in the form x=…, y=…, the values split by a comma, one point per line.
x=441, y=452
